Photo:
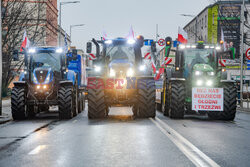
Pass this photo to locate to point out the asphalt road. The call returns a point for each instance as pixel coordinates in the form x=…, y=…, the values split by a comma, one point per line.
x=121, y=141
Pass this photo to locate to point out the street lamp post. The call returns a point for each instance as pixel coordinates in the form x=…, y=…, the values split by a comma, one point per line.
x=71, y=26
x=60, y=17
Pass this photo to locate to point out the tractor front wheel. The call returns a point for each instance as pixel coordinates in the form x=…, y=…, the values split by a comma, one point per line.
x=176, y=93
x=230, y=103
x=65, y=102
x=18, y=103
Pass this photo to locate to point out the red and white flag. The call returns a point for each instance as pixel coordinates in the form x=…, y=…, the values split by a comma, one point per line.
x=92, y=56
x=131, y=34
x=26, y=42
x=104, y=35
x=182, y=36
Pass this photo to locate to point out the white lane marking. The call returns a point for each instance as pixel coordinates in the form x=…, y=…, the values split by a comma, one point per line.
x=74, y=121
x=192, y=153
x=37, y=150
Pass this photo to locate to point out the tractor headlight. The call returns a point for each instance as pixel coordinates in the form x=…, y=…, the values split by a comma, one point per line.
x=38, y=86
x=209, y=83
x=199, y=82
x=47, y=79
x=142, y=68
x=198, y=73
x=130, y=72
x=97, y=68
x=211, y=73
x=112, y=72
x=131, y=41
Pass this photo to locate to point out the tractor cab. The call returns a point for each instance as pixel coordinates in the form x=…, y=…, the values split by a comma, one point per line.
x=197, y=61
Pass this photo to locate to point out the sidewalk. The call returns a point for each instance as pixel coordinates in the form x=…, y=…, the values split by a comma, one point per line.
x=6, y=116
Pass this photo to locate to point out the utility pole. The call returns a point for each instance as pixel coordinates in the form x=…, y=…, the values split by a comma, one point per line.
x=156, y=38
x=1, y=60
x=242, y=52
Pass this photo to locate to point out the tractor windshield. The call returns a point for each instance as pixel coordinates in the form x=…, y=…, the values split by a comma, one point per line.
x=121, y=52
x=46, y=60
x=198, y=56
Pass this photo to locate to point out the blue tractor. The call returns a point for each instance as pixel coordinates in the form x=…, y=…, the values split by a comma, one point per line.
x=120, y=77
x=51, y=77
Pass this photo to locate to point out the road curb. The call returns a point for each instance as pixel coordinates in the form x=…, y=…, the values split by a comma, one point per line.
x=5, y=120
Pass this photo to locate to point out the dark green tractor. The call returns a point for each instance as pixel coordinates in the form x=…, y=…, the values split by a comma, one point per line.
x=197, y=84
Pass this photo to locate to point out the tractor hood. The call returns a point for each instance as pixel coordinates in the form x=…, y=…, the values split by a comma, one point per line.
x=42, y=75
x=120, y=64
x=203, y=68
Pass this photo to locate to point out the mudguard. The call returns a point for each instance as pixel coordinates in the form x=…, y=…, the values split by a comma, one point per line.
x=20, y=84
x=71, y=76
x=66, y=83
x=21, y=76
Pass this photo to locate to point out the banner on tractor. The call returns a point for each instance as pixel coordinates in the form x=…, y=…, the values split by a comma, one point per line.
x=207, y=99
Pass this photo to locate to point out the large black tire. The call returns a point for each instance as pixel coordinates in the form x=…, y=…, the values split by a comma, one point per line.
x=18, y=103
x=166, y=106
x=230, y=104
x=176, y=99
x=146, y=99
x=80, y=101
x=65, y=102
x=96, y=104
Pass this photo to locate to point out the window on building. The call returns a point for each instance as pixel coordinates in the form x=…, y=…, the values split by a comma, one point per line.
x=205, y=21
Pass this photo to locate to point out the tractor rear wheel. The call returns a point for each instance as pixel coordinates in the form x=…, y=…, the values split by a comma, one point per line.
x=176, y=95
x=65, y=102
x=230, y=104
x=96, y=103
x=165, y=108
x=18, y=103
x=146, y=99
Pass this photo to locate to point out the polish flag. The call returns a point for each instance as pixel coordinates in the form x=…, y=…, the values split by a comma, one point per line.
x=104, y=35
x=147, y=56
x=182, y=36
x=25, y=42
x=131, y=34
x=92, y=56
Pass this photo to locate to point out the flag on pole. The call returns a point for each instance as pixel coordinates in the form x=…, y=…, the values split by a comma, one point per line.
x=182, y=36
x=131, y=34
x=104, y=35
x=26, y=42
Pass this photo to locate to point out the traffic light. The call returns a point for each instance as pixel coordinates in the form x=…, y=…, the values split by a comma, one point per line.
x=140, y=40
x=168, y=41
x=153, y=46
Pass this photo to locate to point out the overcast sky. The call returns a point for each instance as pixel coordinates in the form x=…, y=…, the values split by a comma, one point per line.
x=117, y=16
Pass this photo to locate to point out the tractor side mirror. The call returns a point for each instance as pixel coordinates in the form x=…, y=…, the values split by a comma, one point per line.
x=153, y=47
x=74, y=54
x=89, y=47
x=15, y=55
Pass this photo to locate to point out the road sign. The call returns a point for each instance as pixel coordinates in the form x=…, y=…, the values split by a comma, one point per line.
x=147, y=42
x=207, y=99
x=248, y=64
x=161, y=42
x=248, y=54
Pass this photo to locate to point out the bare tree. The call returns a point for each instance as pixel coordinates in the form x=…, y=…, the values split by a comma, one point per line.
x=21, y=15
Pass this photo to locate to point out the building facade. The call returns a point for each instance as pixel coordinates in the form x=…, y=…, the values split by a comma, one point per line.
x=222, y=16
